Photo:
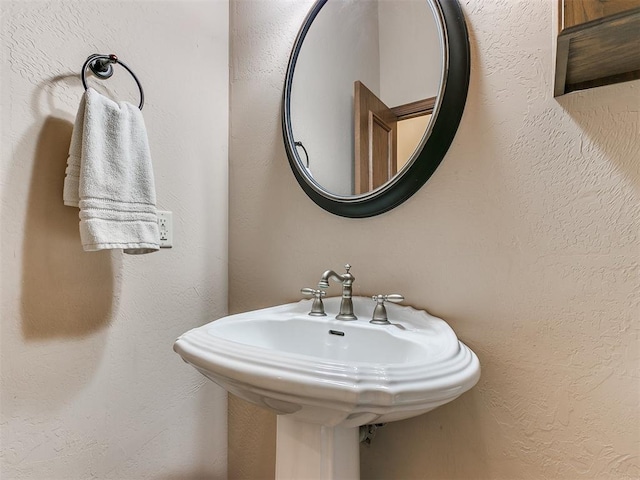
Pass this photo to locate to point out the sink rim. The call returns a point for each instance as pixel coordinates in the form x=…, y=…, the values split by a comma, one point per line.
x=287, y=374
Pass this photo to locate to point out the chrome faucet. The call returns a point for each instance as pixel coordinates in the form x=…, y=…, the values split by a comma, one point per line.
x=346, y=306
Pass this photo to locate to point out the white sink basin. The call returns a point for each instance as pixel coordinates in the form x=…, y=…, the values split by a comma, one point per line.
x=332, y=372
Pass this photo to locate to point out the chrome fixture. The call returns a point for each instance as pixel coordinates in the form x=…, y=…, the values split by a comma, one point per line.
x=346, y=306
x=102, y=67
x=317, y=308
x=380, y=312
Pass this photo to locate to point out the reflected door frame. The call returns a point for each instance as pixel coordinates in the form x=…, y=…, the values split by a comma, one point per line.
x=376, y=136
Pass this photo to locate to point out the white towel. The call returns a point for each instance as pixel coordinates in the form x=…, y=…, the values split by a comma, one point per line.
x=110, y=177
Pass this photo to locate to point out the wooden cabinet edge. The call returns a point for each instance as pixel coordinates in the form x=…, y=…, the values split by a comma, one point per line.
x=567, y=35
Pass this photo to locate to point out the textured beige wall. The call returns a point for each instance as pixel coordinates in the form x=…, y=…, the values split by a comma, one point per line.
x=91, y=387
x=525, y=241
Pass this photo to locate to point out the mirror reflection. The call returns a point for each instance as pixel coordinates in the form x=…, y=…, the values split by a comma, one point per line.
x=365, y=83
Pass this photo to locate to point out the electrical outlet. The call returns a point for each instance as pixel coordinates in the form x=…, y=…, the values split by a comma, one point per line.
x=165, y=225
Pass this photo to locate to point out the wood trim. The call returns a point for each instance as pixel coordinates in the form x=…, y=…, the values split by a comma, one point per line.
x=578, y=12
x=414, y=109
x=381, y=155
x=376, y=137
x=562, y=60
x=599, y=82
x=599, y=52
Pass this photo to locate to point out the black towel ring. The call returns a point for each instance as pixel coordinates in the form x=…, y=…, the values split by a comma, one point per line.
x=102, y=67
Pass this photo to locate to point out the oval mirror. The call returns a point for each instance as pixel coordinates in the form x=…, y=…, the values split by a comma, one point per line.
x=373, y=96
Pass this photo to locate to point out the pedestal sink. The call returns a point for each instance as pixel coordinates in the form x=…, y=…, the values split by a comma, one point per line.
x=326, y=377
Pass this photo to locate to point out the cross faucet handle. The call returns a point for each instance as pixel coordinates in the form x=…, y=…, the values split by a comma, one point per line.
x=392, y=297
x=380, y=312
x=317, y=307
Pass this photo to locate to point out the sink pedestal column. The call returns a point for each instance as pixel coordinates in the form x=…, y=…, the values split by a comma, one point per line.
x=314, y=452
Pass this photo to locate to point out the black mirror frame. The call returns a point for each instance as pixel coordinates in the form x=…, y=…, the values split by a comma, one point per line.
x=456, y=86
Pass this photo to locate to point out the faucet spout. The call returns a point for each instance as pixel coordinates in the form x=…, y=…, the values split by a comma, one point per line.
x=347, y=279
x=329, y=275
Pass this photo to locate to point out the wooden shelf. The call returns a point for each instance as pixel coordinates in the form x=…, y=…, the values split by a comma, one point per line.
x=598, y=52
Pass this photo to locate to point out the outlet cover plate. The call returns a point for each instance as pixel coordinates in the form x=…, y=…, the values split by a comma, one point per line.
x=165, y=225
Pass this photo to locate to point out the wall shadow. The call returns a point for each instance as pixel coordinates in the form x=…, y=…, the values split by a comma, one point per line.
x=421, y=447
x=65, y=291
x=596, y=109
